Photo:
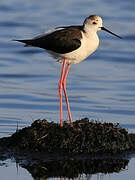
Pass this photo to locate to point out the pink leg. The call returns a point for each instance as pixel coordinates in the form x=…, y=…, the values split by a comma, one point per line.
x=60, y=89
x=66, y=97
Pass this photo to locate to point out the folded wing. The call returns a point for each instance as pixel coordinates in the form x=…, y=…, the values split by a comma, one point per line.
x=60, y=41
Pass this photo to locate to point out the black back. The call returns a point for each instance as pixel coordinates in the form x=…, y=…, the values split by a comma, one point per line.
x=60, y=41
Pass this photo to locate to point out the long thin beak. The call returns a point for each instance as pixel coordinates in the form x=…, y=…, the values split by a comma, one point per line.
x=104, y=29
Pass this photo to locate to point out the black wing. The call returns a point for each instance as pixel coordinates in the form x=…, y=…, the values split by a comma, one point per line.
x=60, y=41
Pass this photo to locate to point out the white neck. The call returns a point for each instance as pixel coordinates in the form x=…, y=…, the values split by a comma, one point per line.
x=89, y=31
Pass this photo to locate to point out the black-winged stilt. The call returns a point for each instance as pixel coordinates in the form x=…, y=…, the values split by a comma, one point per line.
x=70, y=45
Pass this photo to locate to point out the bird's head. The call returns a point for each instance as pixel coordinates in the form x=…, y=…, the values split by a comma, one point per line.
x=95, y=23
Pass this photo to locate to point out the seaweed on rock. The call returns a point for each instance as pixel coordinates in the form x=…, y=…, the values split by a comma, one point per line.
x=84, y=137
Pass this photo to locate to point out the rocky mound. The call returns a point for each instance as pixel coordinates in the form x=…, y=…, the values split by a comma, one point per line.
x=84, y=137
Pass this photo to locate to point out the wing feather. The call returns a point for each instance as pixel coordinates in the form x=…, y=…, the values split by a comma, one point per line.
x=60, y=41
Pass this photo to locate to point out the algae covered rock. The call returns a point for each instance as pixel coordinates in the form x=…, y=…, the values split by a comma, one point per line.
x=84, y=137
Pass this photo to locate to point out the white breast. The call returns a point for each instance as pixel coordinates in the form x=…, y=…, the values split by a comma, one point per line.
x=89, y=44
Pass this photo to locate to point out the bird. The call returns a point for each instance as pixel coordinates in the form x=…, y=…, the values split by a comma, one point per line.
x=70, y=45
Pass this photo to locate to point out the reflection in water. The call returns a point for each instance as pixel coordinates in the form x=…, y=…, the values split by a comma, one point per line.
x=71, y=169
x=59, y=166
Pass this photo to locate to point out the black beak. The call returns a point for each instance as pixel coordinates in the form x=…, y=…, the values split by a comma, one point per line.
x=104, y=29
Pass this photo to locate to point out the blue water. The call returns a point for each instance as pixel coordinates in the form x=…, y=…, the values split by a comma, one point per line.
x=101, y=87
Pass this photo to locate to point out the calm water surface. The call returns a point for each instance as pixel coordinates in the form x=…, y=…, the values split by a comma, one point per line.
x=101, y=87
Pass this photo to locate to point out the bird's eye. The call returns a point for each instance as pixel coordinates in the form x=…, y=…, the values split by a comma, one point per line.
x=94, y=22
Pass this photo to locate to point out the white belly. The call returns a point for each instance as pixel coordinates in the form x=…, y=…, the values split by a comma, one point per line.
x=88, y=45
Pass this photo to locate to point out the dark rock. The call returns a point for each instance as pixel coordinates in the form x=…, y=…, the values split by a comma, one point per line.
x=85, y=136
